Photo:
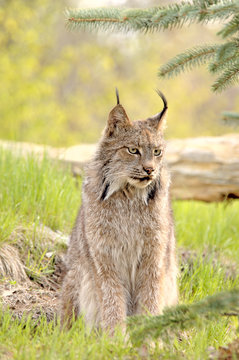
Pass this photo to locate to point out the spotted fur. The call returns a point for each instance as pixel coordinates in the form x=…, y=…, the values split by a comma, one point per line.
x=121, y=257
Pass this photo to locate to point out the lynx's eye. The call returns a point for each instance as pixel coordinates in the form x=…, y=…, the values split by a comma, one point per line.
x=133, y=150
x=157, y=152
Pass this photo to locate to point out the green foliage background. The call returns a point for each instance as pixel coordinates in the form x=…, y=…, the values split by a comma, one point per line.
x=57, y=87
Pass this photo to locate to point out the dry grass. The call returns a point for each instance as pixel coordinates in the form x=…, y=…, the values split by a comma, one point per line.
x=11, y=266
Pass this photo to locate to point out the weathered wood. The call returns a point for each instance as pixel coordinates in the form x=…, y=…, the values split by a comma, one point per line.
x=203, y=168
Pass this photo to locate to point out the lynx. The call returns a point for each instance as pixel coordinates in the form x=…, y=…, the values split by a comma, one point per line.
x=121, y=257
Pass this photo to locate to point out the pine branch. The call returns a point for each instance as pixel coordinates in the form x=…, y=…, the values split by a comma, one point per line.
x=222, y=58
x=230, y=28
x=156, y=18
x=183, y=317
x=227, y=55
x=173, y=16
x=221, y=65
x=176, y=15
x=190, y=58
x=93, y=19
x=220, y=11
x=206, y=2
x=228, y=78
x=230, y=118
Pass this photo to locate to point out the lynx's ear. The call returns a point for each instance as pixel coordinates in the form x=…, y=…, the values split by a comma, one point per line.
x=118, y=119
x=158, y=121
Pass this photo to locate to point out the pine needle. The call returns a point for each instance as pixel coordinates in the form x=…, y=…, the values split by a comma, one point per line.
x=187, y=60
x=183, y=317
x=155, y=18
x=230, y=118
x=226, y=55
x=230, y=28
x=228, y=78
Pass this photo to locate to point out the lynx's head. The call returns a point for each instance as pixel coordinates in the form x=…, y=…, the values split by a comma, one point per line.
x=131, y=153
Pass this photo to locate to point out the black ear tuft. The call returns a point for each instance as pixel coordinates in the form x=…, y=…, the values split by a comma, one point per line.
x=117, y=96
x=165, y=103
x=157, y=121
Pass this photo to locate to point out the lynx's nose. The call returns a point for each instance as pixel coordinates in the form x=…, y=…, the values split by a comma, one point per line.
x=148, y=170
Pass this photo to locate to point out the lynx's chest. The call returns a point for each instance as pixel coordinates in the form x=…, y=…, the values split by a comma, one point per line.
x=122, y=226
x=119, y=229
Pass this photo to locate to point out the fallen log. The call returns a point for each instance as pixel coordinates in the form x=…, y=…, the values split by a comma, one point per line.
x=203, y=168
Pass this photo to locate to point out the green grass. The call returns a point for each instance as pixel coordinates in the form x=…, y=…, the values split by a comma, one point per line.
x=34, y=193
x=43, y=193
x=208, y=227
x=47, y=341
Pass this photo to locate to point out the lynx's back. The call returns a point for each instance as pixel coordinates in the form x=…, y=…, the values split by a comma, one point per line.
x=121, y=257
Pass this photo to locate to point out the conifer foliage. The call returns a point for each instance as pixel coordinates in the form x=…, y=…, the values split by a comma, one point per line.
x=184, y=317
x=222, y=58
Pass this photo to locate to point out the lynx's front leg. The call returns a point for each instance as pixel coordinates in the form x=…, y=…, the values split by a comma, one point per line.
x=150, y=277
x=113, y=302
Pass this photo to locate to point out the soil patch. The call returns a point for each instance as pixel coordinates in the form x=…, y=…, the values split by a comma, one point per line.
x=34, y=297
x=40, y=296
